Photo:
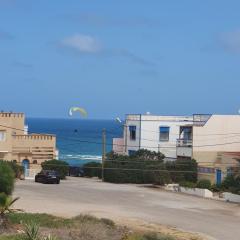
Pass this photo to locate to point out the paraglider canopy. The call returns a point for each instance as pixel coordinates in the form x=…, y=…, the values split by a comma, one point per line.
x=78, y=109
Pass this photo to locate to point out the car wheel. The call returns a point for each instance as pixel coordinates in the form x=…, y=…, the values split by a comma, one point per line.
x=58, y=181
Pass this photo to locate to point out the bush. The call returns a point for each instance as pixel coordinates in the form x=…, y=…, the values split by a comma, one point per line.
x=139, y=168
x=231, y=184
x=183, y=170
x=204, y=184
x=7, y=178
x=216, y=188
x=18, y=170
x=92, y=169
x=162, y=177
x=187, y=184
x=60, y=166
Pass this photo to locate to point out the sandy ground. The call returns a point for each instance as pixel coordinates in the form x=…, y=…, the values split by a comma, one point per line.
x=133, y=206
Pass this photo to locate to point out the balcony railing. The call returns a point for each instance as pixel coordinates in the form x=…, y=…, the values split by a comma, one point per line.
x=184, y=143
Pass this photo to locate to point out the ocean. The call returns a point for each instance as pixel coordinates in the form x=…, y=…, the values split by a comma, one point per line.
x=78, y=141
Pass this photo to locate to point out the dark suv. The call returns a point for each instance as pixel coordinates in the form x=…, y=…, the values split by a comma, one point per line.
x=47, y=176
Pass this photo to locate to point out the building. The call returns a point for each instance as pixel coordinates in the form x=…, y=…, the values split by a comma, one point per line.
x=212, y=140
x=29, y=150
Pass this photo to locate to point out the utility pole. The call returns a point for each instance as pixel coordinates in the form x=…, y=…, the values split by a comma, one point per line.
x=103, y=151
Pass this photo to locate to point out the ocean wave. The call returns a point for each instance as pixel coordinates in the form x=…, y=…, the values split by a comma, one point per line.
x=80, y=157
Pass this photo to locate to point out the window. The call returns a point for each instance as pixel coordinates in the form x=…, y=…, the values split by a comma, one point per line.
x=2, y=136
x=131, y=152
x=132, y=130
x=164, y=134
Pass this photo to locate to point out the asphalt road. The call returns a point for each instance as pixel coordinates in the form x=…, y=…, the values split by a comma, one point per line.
x=74, y=196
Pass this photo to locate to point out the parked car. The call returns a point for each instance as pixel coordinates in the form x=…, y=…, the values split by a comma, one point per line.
x=47, y=176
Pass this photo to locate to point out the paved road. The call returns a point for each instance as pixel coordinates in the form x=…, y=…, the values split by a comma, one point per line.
x=79, y=195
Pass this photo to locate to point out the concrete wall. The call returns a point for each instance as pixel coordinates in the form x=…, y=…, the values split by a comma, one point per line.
x=197, y=192
x=217, y=144
x=148, y=132
x=118, y=145
x=230, y=197
x=18, y=145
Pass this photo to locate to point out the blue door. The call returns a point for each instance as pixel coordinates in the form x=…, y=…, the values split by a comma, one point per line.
x=25, y=164
x=218, y=176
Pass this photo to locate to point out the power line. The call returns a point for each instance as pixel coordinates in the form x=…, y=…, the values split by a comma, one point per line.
x=124, y=145
x=152, y=147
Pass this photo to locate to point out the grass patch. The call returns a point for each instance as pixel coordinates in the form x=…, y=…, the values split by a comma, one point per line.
x=44, y=220
x=82, y=227
x=10, y=237
x=50, y=221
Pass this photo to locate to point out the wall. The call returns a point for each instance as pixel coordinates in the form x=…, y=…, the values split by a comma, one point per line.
x=37, y=147
x=197, y=192
x=18, y=146
x=132, y=120
x=118, y=145
x=14, y=123
x=148, y=132
x=210, y=142
x=231, y=197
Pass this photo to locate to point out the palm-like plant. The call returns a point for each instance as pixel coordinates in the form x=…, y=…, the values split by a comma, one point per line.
x=32, y=231
x=6, y=203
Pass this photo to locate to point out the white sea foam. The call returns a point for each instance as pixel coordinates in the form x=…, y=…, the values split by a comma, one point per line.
x=81, y=157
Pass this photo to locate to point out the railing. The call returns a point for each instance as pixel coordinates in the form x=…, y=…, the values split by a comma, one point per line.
x=184, y=143
x=33, y=137
x=200, y=119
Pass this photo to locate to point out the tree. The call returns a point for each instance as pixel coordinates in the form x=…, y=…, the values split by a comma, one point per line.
x=59, y=166
x=7, y=178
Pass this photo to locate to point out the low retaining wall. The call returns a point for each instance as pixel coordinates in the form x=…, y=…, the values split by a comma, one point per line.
x=230, y=197
x=205, y=193
x=197, y=191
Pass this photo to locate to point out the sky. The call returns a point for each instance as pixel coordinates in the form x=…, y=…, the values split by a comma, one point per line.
x=117, y=57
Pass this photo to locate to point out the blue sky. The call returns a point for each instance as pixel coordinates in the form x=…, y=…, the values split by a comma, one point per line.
x=117, y=57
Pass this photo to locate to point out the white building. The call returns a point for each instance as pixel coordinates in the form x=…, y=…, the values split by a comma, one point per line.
x=155, y=133
x=212, y=140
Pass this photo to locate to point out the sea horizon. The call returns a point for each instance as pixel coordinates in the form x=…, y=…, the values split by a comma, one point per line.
x=78, y=140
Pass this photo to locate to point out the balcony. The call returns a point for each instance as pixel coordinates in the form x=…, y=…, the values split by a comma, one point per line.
x=184, y=147
x=184, y=143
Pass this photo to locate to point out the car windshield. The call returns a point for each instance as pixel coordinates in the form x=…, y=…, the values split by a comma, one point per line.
x=50, y=173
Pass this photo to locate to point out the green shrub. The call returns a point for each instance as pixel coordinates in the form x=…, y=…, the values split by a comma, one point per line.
x=183, y=170
x=139, y=168
x=216, y=188
x=204, y=183
x=7, y=178
x=18, y=170
x=92, y=169
x=231, y=181
x=60, y=166
x=162, y=177
x=187, y=184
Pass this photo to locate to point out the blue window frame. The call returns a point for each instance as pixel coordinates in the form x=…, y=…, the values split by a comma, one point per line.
x=131, y=152
x=164, y=134
x=132, y=131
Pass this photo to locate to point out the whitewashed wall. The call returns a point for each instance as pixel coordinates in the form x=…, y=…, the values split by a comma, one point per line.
x=148, y=137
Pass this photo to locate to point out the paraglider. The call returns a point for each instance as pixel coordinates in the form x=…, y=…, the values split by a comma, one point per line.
x=77, y=109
